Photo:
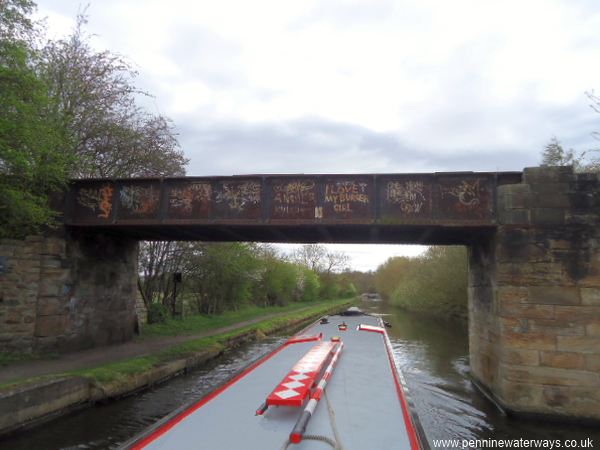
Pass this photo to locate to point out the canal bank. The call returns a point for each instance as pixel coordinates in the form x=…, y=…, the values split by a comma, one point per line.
x=433, y=356
x=26, y=403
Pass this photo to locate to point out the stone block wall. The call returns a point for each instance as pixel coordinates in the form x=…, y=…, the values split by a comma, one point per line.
x=66, y=293
x=19, y=285
x=534, y=296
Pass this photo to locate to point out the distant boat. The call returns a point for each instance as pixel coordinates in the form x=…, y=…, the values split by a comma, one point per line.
x=323, y=387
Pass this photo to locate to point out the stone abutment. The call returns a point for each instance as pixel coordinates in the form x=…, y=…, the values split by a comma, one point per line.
x=62, y=294
x=534, y=296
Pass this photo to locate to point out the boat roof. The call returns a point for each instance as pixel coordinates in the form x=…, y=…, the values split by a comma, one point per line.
x=364, y=405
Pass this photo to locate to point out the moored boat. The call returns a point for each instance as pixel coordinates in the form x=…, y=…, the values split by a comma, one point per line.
x=336, y=385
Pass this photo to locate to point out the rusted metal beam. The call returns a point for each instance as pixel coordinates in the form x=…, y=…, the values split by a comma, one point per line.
x=465, y=199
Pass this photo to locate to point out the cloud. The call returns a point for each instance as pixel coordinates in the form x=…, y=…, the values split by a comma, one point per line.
x=348, y=86
x=309, y=145
x=318, y=145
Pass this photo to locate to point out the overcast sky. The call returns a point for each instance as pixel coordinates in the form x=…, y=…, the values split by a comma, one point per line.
x=358, y=86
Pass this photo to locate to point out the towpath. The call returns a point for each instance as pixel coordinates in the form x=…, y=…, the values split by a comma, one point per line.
x=93, y=357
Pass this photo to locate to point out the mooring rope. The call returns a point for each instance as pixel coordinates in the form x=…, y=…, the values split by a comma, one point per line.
x=336, y=443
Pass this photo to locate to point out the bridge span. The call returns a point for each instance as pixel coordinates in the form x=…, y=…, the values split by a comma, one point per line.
x=534, y=261
x=444, y=208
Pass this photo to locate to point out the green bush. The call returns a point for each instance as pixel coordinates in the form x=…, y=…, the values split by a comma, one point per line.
x=435, y=283
x=279, y=282
x=157, y=313
x=310, y=292
x=330, y=289
x=349, y=291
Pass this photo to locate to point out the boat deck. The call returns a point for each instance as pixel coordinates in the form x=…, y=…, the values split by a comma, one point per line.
x=363, y=408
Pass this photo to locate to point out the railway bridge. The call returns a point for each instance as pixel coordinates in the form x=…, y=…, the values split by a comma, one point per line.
x=534, y=260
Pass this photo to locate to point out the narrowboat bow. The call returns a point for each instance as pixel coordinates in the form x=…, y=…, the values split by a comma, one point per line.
x=335, y=385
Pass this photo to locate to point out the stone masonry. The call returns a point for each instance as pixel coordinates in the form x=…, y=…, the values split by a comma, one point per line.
x=60, y=294
x=534, y=296
x=19, y=286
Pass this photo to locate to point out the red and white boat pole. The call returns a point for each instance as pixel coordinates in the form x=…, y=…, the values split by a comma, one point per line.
x=300, y=427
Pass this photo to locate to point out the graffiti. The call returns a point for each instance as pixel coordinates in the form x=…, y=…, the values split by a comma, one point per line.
x=408, y=195
x=294, y=198
x=139, y=199
x=182, y=199
x=467, y=192
x=343, y=194
x=97, y=199
x=238, y=196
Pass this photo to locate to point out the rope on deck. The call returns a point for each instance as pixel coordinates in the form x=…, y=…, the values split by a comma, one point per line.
x=335, y=443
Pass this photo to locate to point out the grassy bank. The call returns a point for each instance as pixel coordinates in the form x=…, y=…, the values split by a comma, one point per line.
x=199, y=323
x=202, y=348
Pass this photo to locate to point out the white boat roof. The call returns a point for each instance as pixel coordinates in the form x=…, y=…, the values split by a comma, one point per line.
x=364, y=406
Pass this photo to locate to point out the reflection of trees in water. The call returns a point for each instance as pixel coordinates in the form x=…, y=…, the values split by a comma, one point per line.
x=440, y=342
x=433, y=354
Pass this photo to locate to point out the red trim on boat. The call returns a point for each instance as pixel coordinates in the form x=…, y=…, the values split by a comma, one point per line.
x=371, y=328
x=410, y=429
x=299, y=338
x=304, y=338
x=203, y=401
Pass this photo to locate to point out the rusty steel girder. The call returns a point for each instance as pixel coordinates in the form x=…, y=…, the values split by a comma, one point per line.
x=465, y=199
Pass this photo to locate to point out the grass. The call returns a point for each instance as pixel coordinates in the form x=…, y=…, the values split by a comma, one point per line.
x=112, y=372
x=11, y=358
x=199, y=323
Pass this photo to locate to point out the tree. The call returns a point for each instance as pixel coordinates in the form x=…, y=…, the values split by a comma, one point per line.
x=586, y=161
x=310, y=285
x=221, y=275
x=68, y=111
x=33, y=163
x=594, y=162
x=321, y=260
x=437, y=283
x=336, y=262
x=363, y=281
x=94, y=96
x=15, y=25
x=391, y=273
x=279, y=282
x=311, y=256
x=158, y=261
x=555, y=155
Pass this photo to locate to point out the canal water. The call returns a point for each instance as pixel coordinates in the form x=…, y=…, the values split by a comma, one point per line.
x=433, y=355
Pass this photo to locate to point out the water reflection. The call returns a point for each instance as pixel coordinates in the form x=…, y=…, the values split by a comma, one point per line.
x=433, y=355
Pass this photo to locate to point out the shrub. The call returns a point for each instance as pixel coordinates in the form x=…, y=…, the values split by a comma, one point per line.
x=157, y=313
x=311, y=286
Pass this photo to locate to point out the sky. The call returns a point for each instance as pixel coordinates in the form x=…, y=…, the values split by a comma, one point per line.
x=374, y=86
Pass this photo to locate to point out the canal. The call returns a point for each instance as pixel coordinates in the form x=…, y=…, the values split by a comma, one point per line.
x=433, y=355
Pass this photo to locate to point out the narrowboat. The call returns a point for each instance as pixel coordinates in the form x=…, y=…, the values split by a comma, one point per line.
x=334, y=385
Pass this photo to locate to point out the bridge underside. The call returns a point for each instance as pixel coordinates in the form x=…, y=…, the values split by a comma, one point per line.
x=343, y=234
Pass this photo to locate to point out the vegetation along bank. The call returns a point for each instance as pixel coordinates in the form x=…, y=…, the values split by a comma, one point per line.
x=434, y=283
x=29, y=402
